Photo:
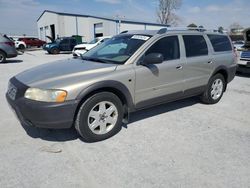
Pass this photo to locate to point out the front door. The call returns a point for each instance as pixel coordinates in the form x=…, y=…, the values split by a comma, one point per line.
x=159, y=82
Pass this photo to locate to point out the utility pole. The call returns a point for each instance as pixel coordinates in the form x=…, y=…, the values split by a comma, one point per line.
x=119, y=18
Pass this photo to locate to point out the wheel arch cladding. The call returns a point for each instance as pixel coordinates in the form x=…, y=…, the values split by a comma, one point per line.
x=3, y=52
x=223, y=71
x=115, y=87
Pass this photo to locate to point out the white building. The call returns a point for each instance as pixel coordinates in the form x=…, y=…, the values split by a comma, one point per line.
x=56, y=24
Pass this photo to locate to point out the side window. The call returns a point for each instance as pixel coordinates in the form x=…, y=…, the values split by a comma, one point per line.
x=195, y=45
x=220, y=43
x=65, y=41
x=168, y=47
x=73, y=41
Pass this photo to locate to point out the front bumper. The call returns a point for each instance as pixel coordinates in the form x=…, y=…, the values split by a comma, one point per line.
x=41, y=114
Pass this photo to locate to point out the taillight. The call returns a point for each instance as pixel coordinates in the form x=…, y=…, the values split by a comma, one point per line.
x=10, y=43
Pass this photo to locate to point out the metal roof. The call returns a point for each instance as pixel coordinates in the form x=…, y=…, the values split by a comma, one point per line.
x=103, y=18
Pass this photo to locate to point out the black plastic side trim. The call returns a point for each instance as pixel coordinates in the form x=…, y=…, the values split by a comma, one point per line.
x=112, y=85
x=170, y=98
x=230, y=72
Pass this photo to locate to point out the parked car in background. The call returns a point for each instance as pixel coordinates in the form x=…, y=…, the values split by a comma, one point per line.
x=244, y=61
x=83, y=48
x=238, y=44
x=244, y=53
x=65, y=44
x=7, y=48
x=32, y=42
x=130, y=72
x=20, y=45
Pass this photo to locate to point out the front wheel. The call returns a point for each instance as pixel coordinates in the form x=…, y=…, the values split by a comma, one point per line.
x=55, y=51
x=99, y=117
x=215, y=89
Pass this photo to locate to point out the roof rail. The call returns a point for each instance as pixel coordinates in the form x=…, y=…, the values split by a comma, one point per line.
x=164, y=30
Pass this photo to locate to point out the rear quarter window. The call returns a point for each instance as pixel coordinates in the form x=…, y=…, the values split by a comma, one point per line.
x=195, y=45
x=220, y=43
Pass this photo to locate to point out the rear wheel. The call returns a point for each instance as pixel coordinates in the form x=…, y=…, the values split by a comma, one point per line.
x=2, y=57
x=55, y=51
x=215, y=90
x=99, y=117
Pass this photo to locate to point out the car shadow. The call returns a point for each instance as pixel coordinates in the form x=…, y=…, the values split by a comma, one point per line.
x=13, y=61
x=65, y=53
x=53, y=135
x=161, y=109
x=243, y=75
x=64, y=135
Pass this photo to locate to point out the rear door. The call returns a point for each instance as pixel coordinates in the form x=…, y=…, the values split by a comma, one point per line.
x=73, y=43
x=159, y=82
x=65, y=45
x=199, y=65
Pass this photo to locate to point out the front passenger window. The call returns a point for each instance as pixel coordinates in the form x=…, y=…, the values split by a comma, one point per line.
x=168, y=47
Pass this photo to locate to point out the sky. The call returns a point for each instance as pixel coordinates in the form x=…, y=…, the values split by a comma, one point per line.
x=19, y=17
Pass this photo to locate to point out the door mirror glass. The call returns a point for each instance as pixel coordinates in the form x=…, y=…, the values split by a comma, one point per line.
x=153, y=58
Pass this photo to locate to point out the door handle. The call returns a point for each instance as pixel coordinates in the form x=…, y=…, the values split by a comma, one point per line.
x=210, y=62
x=179, y=67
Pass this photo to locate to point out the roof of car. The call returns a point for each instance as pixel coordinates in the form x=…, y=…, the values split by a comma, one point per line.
x=173, y=30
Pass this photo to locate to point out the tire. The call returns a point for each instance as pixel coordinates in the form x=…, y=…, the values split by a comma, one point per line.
x=215, y=89
x=55, y=51
x=21, y=47
x=2, y=57
x=105, y=121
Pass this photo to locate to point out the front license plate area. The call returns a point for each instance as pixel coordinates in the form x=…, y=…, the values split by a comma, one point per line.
x=12, y=91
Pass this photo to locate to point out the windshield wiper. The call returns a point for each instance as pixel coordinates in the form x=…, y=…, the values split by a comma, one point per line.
x=96, y=60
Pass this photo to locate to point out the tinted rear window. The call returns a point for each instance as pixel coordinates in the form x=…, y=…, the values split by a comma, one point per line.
x=195, y=45
x=220, y=43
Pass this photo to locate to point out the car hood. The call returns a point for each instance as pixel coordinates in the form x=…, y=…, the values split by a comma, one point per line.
x=86, y=46
x=60, y=73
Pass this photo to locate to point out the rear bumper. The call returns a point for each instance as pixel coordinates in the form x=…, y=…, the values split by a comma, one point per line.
x=42, y=114
x=244, y=69
x=231, y=72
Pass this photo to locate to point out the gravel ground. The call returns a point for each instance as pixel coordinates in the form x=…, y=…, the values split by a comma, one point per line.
x=181, y=144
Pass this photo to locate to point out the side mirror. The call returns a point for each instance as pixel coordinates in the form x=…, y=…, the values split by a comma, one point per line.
x=153, y=58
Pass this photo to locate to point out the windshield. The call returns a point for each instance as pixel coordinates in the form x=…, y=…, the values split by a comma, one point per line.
x=94, y=41
x=58, y=40
x=117, y=50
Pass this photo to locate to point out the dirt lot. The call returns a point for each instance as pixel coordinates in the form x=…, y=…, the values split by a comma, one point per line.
x=181, y=144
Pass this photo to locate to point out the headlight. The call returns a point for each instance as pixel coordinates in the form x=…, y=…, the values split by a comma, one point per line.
x=45, y=95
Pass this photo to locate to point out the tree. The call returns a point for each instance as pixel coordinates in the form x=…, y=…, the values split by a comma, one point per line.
x=165, y=12
x=235, y=28
x=221, y=29
x=192, y=25
x=235, y=25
